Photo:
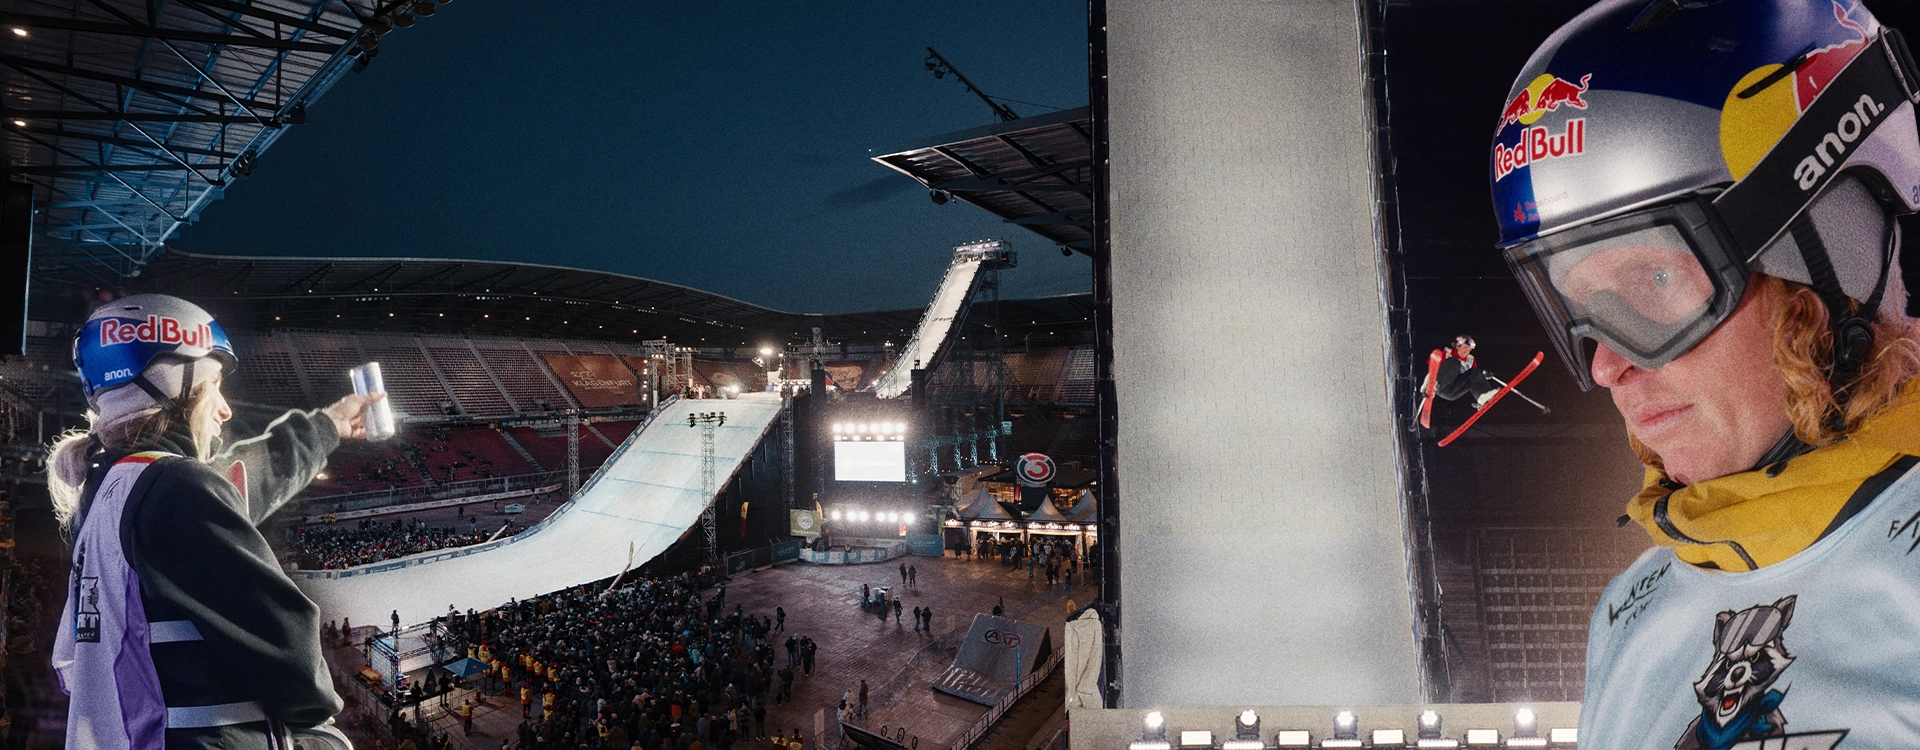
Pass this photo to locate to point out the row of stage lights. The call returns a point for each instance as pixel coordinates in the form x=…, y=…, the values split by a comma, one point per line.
x=869, y=430
x=865, y=516
x=1346, y=734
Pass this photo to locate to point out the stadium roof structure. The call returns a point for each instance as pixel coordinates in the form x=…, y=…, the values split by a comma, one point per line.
x=458, y=296
x=424, y=295
x=1036, y=172
x=130, y=117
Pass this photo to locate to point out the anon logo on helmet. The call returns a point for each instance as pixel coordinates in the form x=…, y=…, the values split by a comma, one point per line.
x=156, y=329
x=1835, y=144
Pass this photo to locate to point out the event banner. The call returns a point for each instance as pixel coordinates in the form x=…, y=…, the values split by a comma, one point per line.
x=803, y=523
x=597, y=381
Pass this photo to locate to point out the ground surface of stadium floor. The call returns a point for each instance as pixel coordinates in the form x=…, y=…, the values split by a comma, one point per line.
x=822, y=602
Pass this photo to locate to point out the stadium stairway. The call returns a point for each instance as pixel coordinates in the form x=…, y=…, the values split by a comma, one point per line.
x=642, y=500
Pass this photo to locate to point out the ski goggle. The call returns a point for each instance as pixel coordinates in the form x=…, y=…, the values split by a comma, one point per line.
x=1648, y=285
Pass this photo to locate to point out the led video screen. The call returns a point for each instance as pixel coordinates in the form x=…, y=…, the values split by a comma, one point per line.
x=861, y=461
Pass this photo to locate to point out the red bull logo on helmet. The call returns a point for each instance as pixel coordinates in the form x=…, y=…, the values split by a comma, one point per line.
x=1764, y=103
x=156, y=330
x=1544, y=94
x=1538, y=144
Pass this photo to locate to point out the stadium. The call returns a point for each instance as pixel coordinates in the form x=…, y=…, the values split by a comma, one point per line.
x=611, y=501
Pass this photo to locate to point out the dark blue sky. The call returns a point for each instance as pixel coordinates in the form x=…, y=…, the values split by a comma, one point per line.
x=723, y=146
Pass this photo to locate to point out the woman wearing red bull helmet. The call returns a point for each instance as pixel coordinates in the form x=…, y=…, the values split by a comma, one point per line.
x=1699, y=200
x=180, y=629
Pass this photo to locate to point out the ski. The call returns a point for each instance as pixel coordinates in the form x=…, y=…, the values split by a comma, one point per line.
x=1528, y=370
x=1426, y=390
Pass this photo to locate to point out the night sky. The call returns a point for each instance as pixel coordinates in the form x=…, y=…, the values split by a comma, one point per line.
x=715, y=145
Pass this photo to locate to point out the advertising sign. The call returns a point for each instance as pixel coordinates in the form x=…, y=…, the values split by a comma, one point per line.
x=595, y=381
x=803, y=523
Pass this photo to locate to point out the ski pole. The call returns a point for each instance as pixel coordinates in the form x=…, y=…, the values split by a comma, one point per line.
x=1515, y=391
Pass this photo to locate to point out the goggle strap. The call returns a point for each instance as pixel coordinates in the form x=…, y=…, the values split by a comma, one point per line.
x=1852, y=333
x=1753, y=209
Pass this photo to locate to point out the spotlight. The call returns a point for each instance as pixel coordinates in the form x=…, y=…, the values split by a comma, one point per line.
x=18, y=31
x=1568, y=736
x=939, y=197
x=1346, y=731
x=1153, y=734
x=1292, y=738
x=1248, y=726
x=403, y=21
x=836, y=514
x=19, y=123
x=1526, y=730
x=424, y=8
x=379, y=26
x=1389, y=738
x=1483, y=737
x=1430, y=732
x=1196, y=738
x=1066, y=251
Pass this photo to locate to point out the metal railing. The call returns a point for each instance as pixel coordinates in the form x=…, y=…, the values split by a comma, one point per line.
x=384, y=498
x=1020, y=690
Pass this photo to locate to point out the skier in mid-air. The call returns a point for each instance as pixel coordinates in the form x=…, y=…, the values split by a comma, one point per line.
x=1452, y=373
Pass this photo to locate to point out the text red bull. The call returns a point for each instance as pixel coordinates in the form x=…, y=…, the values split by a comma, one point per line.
x=156, y=329
x=1537, y=144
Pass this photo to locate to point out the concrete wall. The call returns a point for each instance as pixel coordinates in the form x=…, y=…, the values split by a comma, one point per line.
x=1262, y=533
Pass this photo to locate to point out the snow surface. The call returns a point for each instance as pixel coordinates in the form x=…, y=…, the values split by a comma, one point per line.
x=935, y=326
x=647, y=495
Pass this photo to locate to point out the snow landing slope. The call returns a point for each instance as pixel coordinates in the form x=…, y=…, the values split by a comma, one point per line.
x=647, y=494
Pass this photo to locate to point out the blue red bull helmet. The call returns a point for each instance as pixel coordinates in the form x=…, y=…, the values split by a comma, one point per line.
x=124, y=337
x=1652, y=155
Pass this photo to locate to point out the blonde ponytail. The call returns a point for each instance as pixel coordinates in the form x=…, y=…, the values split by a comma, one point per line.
x=69, y=457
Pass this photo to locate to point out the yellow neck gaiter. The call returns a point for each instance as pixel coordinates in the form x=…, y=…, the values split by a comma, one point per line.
x=1749, y=520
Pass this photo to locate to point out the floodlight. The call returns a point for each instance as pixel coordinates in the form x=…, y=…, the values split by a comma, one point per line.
x=766, y=351
x=1483, y=737
x=836, y=514
x=19, y=123
x=18, y=31
x=1153, y=735
x=403, y=20
x=1346, y=726
x=1525, y=724
x=1564, y=735
x=1389, y=738
x=1247, y=726
x=1429, y=724
x=423, y=8
x=1292, y=738
x=1196, y=738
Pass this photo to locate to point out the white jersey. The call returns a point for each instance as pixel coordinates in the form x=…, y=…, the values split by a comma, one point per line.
x=1821, y=650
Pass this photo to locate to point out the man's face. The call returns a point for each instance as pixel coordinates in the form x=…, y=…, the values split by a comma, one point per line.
x=1462, y=349
x=1714, y=411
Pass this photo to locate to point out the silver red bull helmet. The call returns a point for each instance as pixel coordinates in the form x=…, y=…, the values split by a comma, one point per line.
x=1653, y=155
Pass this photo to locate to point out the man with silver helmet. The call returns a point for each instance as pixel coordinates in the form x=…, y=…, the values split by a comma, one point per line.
x=180, y=629
x=1699, y=200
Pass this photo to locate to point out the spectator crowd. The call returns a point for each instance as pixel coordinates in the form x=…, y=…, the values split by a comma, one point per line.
x=330, y=547
x=650, y=665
